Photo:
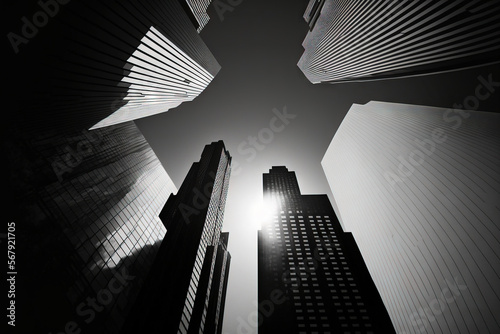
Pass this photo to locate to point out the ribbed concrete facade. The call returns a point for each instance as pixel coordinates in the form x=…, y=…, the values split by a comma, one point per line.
x=419, y=189
x=369, y=40
x=160, y=78
x=94, y=58
x=313, y=12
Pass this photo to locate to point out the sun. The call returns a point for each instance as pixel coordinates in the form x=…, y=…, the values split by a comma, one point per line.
x=264, y=212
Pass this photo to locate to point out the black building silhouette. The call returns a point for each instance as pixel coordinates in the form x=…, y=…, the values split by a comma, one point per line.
x=311, y=276
x=185, y=290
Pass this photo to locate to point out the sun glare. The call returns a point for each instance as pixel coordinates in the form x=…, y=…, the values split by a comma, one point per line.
x=264, y=212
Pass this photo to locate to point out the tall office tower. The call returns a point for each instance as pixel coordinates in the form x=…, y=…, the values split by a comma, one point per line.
x=188, y=279
x=199, y=10
x=215, y=311
x=370, y=40
x=87, y=226
x=418, y=187
x=161, y=77
x=82, y=64
x=311, y=276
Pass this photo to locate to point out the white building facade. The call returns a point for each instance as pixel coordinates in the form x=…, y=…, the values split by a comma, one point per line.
x=419, y=189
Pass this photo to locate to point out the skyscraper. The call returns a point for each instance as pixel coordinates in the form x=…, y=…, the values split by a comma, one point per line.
x=199, y=10
x=418, y=187
x=87, y=225
x=76, y=63
x=185, y=290
x=160, y=77
x=370, y=40
x=215, y=311
x=311, y=276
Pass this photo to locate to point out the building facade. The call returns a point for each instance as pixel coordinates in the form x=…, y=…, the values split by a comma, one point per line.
x=73, y=64
x=86, y=206
x=418, y=187
x=371, y=40
x=199, y=9
x=311, y=276
x=160, y=77
x=185, y=291
x=215, y=312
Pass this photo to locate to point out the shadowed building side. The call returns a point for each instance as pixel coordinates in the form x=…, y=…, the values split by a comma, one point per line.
x=188, y=278
x=311, y=276
x=199, y=10
x=372, y=40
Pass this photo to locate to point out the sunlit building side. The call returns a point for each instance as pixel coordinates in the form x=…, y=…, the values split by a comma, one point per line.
x=97, y=59
x=418, y=187
x=160, y=77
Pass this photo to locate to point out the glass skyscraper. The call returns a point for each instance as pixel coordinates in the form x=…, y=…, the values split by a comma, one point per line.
x=185, y=290
x=311, y=276
x=88, y=227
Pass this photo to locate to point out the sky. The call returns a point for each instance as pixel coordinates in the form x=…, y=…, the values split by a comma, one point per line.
x=267, y=113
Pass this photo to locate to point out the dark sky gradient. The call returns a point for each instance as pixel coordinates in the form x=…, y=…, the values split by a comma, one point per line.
x=258, y=45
